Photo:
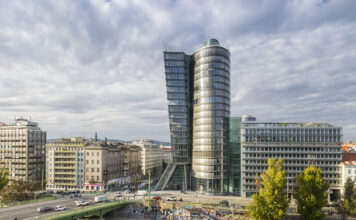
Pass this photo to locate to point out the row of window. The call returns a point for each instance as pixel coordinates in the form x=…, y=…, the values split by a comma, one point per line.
x=175, y=89
x=292, y=149
x=211, y=51
x=174, y=56
x=177, y=115
x=211, y=79
x=297, y=156
x=178, y=128
x=175, y=70
x=209, y=72
x=174, y=63
x=175, y=76
x=172, y=95
x=177, y=108
x=212, y=65
x=214, y=85
x=212, y=99
x=175, y=82
x=209, y=59
x=295, y=131
x=177, y=102
x=296, y=139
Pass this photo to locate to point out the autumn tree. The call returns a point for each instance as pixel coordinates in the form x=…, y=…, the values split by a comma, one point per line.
x=272, y=201
x=4, y=177
x=310, y=193
x=16, y=191
x=347, y=203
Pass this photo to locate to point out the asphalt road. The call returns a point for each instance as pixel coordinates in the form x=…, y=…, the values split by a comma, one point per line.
x=29, y=211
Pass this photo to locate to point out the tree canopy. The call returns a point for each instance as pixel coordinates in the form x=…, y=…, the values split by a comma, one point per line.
x=272, y=201
x=310, y=193
x=347, y=203
x=4, y=177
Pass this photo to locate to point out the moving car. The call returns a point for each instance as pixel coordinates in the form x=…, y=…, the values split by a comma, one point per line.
x=156, y=198
x=44, y=209
x=118, y=194
x=81, y=203
x=59, y=208
x=172, y=198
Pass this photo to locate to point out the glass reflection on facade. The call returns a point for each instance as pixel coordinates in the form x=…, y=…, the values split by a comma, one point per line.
x=211, y=111
x=198, y=93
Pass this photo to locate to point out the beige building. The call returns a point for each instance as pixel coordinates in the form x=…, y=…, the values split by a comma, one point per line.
x=151, y=158
x=167, y=154
x=102, y=166
x=65, y=162
x=131, y=162
x=22, y=150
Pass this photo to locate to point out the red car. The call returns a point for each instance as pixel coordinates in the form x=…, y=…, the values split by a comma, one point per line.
x=156, y=198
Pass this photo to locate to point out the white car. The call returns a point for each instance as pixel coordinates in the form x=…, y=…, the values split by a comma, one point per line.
x=81, y=203
x=172, y=198
x=59, y=208
x=118, y=194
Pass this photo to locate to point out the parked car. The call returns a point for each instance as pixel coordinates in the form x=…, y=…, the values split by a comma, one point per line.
x=157, y=198
x=172, y=198
x=59, y=208
x=81, y=203
x=44, y=209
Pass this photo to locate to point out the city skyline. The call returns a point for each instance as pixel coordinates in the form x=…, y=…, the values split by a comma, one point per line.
x=81, y=67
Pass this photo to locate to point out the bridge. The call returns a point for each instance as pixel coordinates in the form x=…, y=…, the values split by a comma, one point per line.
x=91, y=211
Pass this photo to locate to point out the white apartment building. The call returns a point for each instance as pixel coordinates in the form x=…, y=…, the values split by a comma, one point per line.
x=348, y=166
x=65, y=162
x=298, y=144
x=151, y=158
x=22, y=150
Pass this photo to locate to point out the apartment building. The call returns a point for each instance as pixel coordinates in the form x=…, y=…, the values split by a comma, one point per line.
x=131, y=163
x=151, y=158
x=22, y=150
x=298, y=144
x=65, y=162
x=348, y=166
x=102, y=166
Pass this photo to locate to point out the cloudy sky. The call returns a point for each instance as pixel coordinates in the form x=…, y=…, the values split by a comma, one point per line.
x=79, y=66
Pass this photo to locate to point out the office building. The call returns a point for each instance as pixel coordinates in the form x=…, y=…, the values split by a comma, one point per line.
x=234, y=160
x=198, y=93
x=151, y=158
x=298, y=144
x=65, y=164
x=22, y=150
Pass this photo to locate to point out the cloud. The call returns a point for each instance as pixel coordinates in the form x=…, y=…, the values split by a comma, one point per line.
x=83, y=66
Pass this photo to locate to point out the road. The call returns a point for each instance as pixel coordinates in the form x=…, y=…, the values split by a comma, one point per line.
x=30, y=211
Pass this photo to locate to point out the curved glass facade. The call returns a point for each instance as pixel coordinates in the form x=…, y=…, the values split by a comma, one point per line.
x=211, y=110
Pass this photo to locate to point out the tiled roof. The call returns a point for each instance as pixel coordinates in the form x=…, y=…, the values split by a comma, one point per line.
x=349, y=159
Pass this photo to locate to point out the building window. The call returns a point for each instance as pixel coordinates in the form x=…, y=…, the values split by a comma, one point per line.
x=87, y=161
x=98, y=170
x=98, y=154
x=98, y=161
x=97, y=178
x=349, y=171
x=92, y=169
x=92, y=162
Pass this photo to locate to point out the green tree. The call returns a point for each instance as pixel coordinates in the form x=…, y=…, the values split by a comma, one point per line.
x=310, y=193
x=347, y=203
x=4, y=178
x=16, y=191
x=272, y=201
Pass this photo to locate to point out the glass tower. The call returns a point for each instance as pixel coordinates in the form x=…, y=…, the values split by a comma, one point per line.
x=198, y=93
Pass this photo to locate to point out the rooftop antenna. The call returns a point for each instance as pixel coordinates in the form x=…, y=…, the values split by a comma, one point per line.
x=96, y=137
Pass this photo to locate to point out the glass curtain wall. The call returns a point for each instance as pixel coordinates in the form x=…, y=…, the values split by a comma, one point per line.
x=211, y=108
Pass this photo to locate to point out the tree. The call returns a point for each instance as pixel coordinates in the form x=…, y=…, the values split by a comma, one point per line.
x=4, y=178
x=347, y=203
x=310, y=193
x=16, y=191
x=272, y=201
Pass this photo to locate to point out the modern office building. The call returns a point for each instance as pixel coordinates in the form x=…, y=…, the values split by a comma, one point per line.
x=198, y=93
x=22, y=150
x=65, y=164
x=298, y=144
x=234, y=160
